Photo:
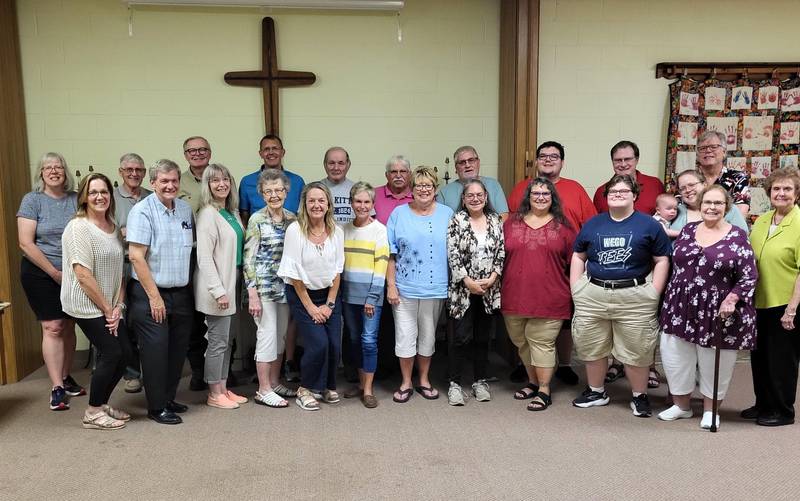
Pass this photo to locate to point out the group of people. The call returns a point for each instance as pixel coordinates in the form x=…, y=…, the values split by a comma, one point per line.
x=154, y=278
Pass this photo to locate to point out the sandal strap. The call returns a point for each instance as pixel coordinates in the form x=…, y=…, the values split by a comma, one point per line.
x=116, y=413
x=102, y=420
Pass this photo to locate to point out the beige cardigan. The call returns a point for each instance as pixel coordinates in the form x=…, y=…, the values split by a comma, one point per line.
x=216, y=271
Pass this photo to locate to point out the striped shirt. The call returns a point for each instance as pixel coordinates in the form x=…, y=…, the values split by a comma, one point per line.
x=99, y=252
x=168, y=234
x=263, y=250
x=366, y=256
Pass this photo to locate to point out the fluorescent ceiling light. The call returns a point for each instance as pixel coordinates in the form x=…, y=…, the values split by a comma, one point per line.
x=393, y=5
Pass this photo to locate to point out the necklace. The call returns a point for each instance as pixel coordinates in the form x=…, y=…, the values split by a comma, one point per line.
x=316, y=234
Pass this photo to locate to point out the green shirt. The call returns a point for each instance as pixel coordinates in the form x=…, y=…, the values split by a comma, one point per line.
x=239, y=233
x=777, y=257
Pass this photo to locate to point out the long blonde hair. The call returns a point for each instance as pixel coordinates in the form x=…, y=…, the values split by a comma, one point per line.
x=302, y=213
x=207, y=198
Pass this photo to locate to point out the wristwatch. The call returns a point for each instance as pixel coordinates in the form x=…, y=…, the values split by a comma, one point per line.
x=330, y=305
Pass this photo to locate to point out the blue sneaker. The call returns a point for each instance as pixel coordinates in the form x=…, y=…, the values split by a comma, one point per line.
x=58, y=399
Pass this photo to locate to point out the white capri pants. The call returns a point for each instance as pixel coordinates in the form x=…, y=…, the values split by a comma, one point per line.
x=680, y=359
x=415, y=322
x=271, y=330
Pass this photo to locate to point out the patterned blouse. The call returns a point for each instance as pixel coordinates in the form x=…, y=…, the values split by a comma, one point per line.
x=468, y=258
x=701, y=279
x=263, y=249
x=736, y=183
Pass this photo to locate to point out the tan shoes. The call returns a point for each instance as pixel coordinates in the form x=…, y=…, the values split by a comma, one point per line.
x=221, y=402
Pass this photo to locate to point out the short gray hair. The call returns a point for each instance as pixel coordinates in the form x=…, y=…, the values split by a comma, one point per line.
x=462, y=149
x=268, y=175
x=398, y=159
x=362, y=186
x=131, y=158
x=69, y=181
x=163, y=166
x=708, y=134
x=207, y=198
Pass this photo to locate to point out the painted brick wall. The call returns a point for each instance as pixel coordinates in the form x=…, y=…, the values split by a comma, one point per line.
x=93, y=92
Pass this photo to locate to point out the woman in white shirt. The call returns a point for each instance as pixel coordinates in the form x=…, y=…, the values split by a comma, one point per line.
x=92, y=292
x=311, y=266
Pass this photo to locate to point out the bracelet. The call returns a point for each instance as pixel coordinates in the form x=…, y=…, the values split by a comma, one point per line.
x=121, y=306
x=791, y=314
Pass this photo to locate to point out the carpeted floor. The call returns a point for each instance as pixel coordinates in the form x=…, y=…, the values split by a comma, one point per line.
x=419, y=450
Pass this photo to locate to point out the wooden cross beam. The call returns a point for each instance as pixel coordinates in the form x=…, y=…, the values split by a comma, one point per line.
x=270, y=78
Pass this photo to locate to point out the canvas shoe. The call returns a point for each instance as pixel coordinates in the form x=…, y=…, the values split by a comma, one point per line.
x=591, y=398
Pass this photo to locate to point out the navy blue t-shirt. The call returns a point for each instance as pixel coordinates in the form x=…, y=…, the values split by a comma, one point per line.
x=619, y=250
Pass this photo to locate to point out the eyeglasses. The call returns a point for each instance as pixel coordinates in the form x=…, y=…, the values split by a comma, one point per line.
x=95, y=193
x=470, y=160
x=715, y=203
x=474, y=196
x=541, y=194
x=132, y=170
x=423, y=187
x=619, y=193
x=709, y=147
x=688, y=187
x=626, y=160
x=554, y=157
x=197, y=151
x=276, y=191
x=53, y=168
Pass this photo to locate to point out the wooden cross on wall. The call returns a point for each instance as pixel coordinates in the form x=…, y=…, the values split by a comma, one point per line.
x=270, y=78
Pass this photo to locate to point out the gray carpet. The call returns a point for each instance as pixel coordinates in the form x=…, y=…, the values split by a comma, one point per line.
x=419, y=450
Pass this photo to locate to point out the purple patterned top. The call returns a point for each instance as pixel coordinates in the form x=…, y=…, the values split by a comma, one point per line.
x=701, y=279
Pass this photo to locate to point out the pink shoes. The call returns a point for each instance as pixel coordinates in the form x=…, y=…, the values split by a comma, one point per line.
x=221, y=402
x=236, y=398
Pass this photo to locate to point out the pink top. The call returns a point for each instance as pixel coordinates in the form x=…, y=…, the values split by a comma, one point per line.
x=386, y=202
x=536, y=273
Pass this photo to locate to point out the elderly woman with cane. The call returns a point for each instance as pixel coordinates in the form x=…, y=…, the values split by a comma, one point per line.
x=708, y=311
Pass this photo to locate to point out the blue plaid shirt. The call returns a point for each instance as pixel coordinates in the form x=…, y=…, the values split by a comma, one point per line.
x=169, y=236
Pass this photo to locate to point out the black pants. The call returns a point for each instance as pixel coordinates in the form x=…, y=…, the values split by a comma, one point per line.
x=134, y=369
x=387, y=360
x=196, y=352
x=468, y=338
x=113, y=354
x=774, y=363
x=162, y=345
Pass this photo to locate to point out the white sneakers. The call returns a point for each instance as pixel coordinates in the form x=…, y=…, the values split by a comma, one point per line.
x=674, y=413
x=705, y=423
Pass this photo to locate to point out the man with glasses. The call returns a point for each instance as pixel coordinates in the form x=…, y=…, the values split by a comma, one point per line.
x=578, y=209
x=271, y=151
x=468, y=166
x=711, y=152
x=624, y=159
x=197, y=153
x=396, y=191
x=126, y=195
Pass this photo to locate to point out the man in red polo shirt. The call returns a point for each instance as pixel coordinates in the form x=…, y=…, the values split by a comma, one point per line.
x=624, y=159
x=577, y=208
x=396, y=191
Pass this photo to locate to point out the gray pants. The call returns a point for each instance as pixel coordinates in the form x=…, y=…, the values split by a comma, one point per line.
x=218, y=353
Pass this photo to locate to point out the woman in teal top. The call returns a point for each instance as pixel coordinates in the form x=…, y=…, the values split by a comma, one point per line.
x=218, y=277
x=776, y=242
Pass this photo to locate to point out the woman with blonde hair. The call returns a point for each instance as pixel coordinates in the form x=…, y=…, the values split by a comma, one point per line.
x=217, y=279
x=43, y=214
x=311, y=265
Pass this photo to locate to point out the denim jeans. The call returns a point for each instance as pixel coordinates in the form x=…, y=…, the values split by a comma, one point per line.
x=363, y=335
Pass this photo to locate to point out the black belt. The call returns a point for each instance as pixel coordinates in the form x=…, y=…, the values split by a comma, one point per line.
x=619, y=284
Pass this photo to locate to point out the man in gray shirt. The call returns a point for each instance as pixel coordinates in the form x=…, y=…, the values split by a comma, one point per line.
x=337, y=163
x=468, y=166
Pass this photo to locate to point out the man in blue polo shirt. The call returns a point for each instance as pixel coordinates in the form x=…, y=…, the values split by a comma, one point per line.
x=160, y=234
x=271, y=152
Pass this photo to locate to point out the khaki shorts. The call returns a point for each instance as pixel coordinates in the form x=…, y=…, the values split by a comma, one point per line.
x=535, y=338
x=619, y=322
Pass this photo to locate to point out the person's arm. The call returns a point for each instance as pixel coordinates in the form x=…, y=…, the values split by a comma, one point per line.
x=207, y=241
x=91, y=288
x=787, y=320
x=577, y=267
x=333, y=290
x=138, y=256
x=251, y=245
x=392, y=294
x=312, y=309
x=660, y=272
x=26, y=232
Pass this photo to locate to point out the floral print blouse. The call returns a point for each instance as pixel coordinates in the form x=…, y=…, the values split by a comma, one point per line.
x=467, y=258
x=263, y=250
x=701, y=279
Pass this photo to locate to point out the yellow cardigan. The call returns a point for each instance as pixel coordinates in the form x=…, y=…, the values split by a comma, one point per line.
x=777, y=257
x=215, y=274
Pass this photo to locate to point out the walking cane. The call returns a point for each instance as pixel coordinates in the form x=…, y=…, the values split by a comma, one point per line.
x=714, y=402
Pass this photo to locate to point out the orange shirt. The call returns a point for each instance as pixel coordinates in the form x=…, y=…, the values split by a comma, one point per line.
x=577, y=206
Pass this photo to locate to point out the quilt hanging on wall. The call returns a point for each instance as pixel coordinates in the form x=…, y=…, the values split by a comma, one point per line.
x=760, y=120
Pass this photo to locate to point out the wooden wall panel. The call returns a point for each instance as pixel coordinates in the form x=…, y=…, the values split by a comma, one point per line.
x=21, y=333
x=519, y=73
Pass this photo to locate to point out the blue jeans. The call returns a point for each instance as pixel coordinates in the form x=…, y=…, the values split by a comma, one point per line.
x=321, y=342
x=363, y=335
